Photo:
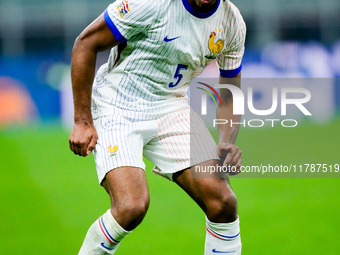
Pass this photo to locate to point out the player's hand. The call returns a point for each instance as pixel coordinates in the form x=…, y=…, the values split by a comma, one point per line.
x=230, y=155
x=83, y=139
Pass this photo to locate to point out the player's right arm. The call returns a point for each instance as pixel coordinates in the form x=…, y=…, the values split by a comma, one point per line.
x=96, y=37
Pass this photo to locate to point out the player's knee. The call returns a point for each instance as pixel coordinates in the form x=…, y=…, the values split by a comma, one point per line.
x=133, y=211
x=223, y=208
x=138, y=209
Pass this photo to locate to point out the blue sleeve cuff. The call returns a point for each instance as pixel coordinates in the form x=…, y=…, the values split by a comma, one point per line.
x=230, y=73
x=113, y=28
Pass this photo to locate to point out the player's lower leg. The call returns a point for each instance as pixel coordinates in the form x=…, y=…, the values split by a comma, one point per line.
x=222, y=238
x=218, y=201
x=103, y=237
x=223, y=230
x=129, y=196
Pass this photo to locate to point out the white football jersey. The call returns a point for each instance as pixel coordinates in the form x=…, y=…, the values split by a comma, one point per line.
x=163, y=45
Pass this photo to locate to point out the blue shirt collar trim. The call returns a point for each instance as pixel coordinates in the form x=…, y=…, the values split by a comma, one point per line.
x=201, y=15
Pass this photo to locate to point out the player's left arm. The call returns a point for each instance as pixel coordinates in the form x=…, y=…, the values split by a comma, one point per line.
x=230, y=64
x=228, y=152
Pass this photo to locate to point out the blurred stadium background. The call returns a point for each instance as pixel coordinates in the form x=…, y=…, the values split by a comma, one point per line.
x=50, y=197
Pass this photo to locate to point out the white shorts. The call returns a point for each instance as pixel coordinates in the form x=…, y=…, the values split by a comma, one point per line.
x=172, y=143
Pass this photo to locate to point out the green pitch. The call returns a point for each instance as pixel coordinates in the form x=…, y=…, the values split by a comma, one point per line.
x=49, y=197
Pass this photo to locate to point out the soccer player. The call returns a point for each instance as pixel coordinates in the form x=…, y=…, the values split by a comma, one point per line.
x=137, y=105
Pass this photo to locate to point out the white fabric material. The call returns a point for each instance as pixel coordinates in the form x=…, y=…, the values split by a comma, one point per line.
x=149, y=75
x=223, y=238
x=103, y=237
x=172, y=143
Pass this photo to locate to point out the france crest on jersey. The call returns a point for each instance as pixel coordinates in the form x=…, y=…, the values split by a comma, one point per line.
x=163, y=45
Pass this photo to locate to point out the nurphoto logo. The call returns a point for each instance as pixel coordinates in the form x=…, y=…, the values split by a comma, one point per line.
x=281, y=97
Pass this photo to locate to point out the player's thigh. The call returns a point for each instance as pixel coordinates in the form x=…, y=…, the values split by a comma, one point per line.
x=127, y=186
x=128, y=190
x=209, y=191
x=181, y=140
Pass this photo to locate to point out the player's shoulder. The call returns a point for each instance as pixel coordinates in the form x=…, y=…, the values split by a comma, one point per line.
x=153, y=4
x=137, y=7
x=232, y=16
x=230, y=10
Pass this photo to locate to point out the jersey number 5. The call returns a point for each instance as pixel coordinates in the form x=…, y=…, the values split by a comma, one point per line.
x=178, y=75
